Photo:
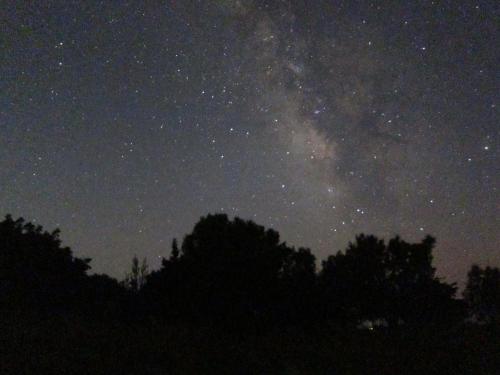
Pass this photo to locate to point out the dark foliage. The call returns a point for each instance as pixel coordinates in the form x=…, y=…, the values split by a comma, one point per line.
x=482, y=294
x=35, y=270
x=232, y=271
x=39, y=275
x=394, y=283
x=136, y=278
x=235, y=299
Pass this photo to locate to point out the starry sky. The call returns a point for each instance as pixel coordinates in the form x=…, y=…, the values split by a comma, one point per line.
x=123, y=122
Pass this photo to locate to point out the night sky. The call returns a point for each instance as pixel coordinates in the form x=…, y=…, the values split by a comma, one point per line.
x=123, y=123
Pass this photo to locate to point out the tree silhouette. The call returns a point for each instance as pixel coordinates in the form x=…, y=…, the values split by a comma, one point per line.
x=175, y=250
x=35, y=269
x=394, y=282
x=416, y=294
x=136, y=278
x=234, y=297
x=353, y=283
x=482, y=293
x=104, y=296
x=230, y=269
x=299, y=292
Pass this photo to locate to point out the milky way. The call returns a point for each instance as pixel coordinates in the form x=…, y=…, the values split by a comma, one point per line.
x=123, y=123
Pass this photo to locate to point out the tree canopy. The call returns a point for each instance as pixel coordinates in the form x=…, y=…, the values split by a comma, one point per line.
x=373, y=280
x=230, y=268
x=482, y=293
x=35, y=268
x=232, y=280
